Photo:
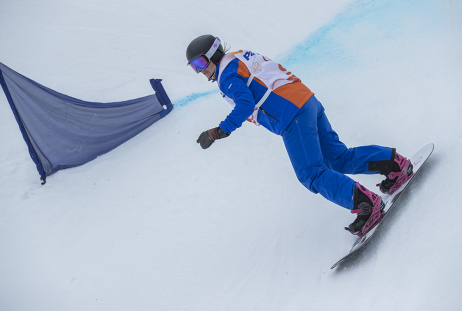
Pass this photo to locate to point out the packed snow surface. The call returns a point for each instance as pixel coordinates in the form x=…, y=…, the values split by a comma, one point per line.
x=160, y=224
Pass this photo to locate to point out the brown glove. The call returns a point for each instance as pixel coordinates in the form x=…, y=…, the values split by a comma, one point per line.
x=207, y=138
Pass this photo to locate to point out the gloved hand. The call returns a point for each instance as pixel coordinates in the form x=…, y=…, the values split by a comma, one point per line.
x=207, y=138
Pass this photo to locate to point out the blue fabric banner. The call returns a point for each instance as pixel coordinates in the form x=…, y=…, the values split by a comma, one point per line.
x=63, y=132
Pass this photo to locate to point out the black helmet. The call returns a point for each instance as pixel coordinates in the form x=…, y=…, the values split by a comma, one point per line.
x=203, y=45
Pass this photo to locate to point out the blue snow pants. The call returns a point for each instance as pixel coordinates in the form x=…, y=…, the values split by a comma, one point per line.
x=321, y=160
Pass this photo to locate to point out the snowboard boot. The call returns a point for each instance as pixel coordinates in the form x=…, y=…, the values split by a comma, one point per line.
x=369, y=207
x=401, y=171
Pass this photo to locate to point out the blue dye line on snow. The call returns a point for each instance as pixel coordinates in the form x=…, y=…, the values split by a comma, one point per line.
x=363, y=23
x=194, y=96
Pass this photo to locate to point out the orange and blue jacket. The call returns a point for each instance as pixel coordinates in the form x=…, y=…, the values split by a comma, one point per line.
x=276, y=112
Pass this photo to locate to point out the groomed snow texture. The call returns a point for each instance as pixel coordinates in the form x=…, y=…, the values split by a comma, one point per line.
x=160, y=224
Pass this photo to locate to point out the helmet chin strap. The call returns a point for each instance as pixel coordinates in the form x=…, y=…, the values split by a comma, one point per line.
x=212, y=75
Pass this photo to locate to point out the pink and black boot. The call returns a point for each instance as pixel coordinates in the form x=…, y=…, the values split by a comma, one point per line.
x=401, y=171
x=369, y=207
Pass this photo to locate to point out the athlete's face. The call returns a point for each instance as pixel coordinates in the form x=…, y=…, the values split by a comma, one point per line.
x=209, y=71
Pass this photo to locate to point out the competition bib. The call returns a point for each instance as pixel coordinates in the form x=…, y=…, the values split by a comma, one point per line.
x=272, y=74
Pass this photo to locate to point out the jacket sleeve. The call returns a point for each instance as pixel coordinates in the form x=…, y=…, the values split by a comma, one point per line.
x=235, y=88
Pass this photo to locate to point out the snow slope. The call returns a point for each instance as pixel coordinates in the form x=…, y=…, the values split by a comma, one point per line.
x=160, y=224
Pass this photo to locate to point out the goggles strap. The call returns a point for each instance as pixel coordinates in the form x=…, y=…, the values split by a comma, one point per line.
x=213, y=49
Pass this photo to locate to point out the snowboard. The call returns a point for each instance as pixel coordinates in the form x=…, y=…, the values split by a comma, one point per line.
x=417, y=161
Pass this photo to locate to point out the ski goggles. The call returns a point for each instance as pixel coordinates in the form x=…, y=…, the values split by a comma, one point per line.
x=202, y=62
x=199, y=63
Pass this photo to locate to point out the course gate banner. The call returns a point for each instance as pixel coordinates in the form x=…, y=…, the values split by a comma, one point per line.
x=63, y=132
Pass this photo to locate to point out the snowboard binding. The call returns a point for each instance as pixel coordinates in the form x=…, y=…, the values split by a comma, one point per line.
x=402, y=172
x=370, y=209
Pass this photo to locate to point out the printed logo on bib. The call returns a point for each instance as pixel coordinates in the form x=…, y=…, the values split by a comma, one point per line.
x=291, y=77
x=256, y=67
x=271, y=73
x=248, y=54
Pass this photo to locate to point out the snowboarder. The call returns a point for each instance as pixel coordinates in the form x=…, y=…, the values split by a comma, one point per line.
x=265, y=93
